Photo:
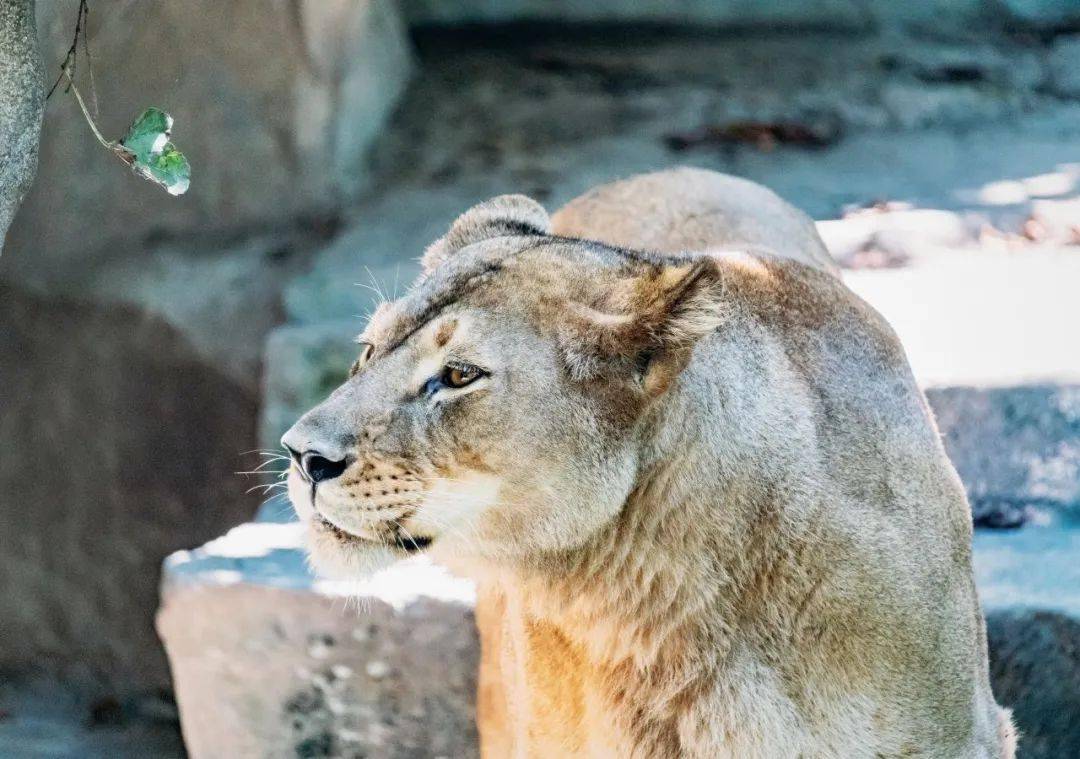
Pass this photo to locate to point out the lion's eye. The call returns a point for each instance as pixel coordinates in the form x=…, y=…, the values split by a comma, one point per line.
x=460, y=375
x=366, y=350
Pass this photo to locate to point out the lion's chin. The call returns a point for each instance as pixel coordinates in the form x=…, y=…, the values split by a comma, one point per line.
x=339, y=555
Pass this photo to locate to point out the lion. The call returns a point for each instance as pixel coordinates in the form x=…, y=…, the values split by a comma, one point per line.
x=705, y=502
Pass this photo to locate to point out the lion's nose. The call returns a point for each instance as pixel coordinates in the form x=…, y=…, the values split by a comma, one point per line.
x=318, y=460
x=318, y=468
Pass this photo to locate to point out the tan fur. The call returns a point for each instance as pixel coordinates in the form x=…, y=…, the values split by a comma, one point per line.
x=706, y=504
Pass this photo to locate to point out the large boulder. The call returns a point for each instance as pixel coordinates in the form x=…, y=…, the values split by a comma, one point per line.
x=277, y=122
x=120, y=446
x=954, y=17
x=1029, y=583
x=1016, y=448
x=268, y=661
x=21, y=100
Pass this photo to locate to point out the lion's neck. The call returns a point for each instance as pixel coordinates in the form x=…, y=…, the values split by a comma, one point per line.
x=636, y=628
x=625, y=632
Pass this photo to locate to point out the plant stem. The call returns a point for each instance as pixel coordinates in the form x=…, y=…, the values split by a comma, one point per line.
x=86, y=113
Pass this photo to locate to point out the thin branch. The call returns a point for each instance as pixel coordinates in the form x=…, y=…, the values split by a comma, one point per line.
x=67, y=68
x=89, y=120
x=89, y=60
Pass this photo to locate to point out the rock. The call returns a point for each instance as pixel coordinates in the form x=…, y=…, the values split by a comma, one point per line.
x=43, y=718
x=1039, y=15
x=303, y=365
x=120, y=446
x=270, y=662
x=1017, y=449
x=198, y=288
x=277, y=122
x=842, y=14
x=1065, y=67
x=1029, y=583
x=1035, y=669
x=21, y=103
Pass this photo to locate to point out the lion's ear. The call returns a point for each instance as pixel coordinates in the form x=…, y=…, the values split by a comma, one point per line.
x=498, y=217
x=647, y=325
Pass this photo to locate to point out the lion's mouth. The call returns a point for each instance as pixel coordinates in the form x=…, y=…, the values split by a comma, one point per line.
x=396, y=538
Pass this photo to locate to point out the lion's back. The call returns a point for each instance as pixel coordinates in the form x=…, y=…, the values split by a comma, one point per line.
x=689, y=209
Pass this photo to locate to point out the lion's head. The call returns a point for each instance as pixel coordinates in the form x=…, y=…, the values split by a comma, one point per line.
x=501, y=408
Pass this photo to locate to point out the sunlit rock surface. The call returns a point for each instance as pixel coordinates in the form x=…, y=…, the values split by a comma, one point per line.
x=268, y=661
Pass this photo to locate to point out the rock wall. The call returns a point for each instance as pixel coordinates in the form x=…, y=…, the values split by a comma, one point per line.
x=120, y=446
x=276, y=120
x=133, y=321
x=21, y=99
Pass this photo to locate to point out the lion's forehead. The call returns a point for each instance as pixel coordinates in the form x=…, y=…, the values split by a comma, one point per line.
x=511, y=275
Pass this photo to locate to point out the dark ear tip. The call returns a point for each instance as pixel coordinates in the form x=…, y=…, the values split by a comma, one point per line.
x=503, y=215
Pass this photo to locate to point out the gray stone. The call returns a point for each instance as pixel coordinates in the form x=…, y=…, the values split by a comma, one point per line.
x=953, y=18
x=44, y=718
x=120, y=446
x=1065, y=66
x=1038, y=15
x=1017, y=449
x=277, y=122
x=269, y=662
x=1029, y=583
x=303, y=365
x=1035, y=669
x=223, y=298
x=21, y=101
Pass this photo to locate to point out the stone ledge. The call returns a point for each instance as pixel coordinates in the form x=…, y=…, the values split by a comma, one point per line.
x=269, y=661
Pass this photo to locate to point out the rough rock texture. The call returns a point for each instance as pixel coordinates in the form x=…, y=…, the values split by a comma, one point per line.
x=277, y=122
x=1035, y=666
x=1065, y=66
x=268, y=662
x=1016, y=448
x=21, y=99
x=119, y=447
x=954, y=18
x=1029, y=582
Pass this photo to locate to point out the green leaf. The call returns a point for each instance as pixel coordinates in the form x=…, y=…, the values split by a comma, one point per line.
x=147, y=148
